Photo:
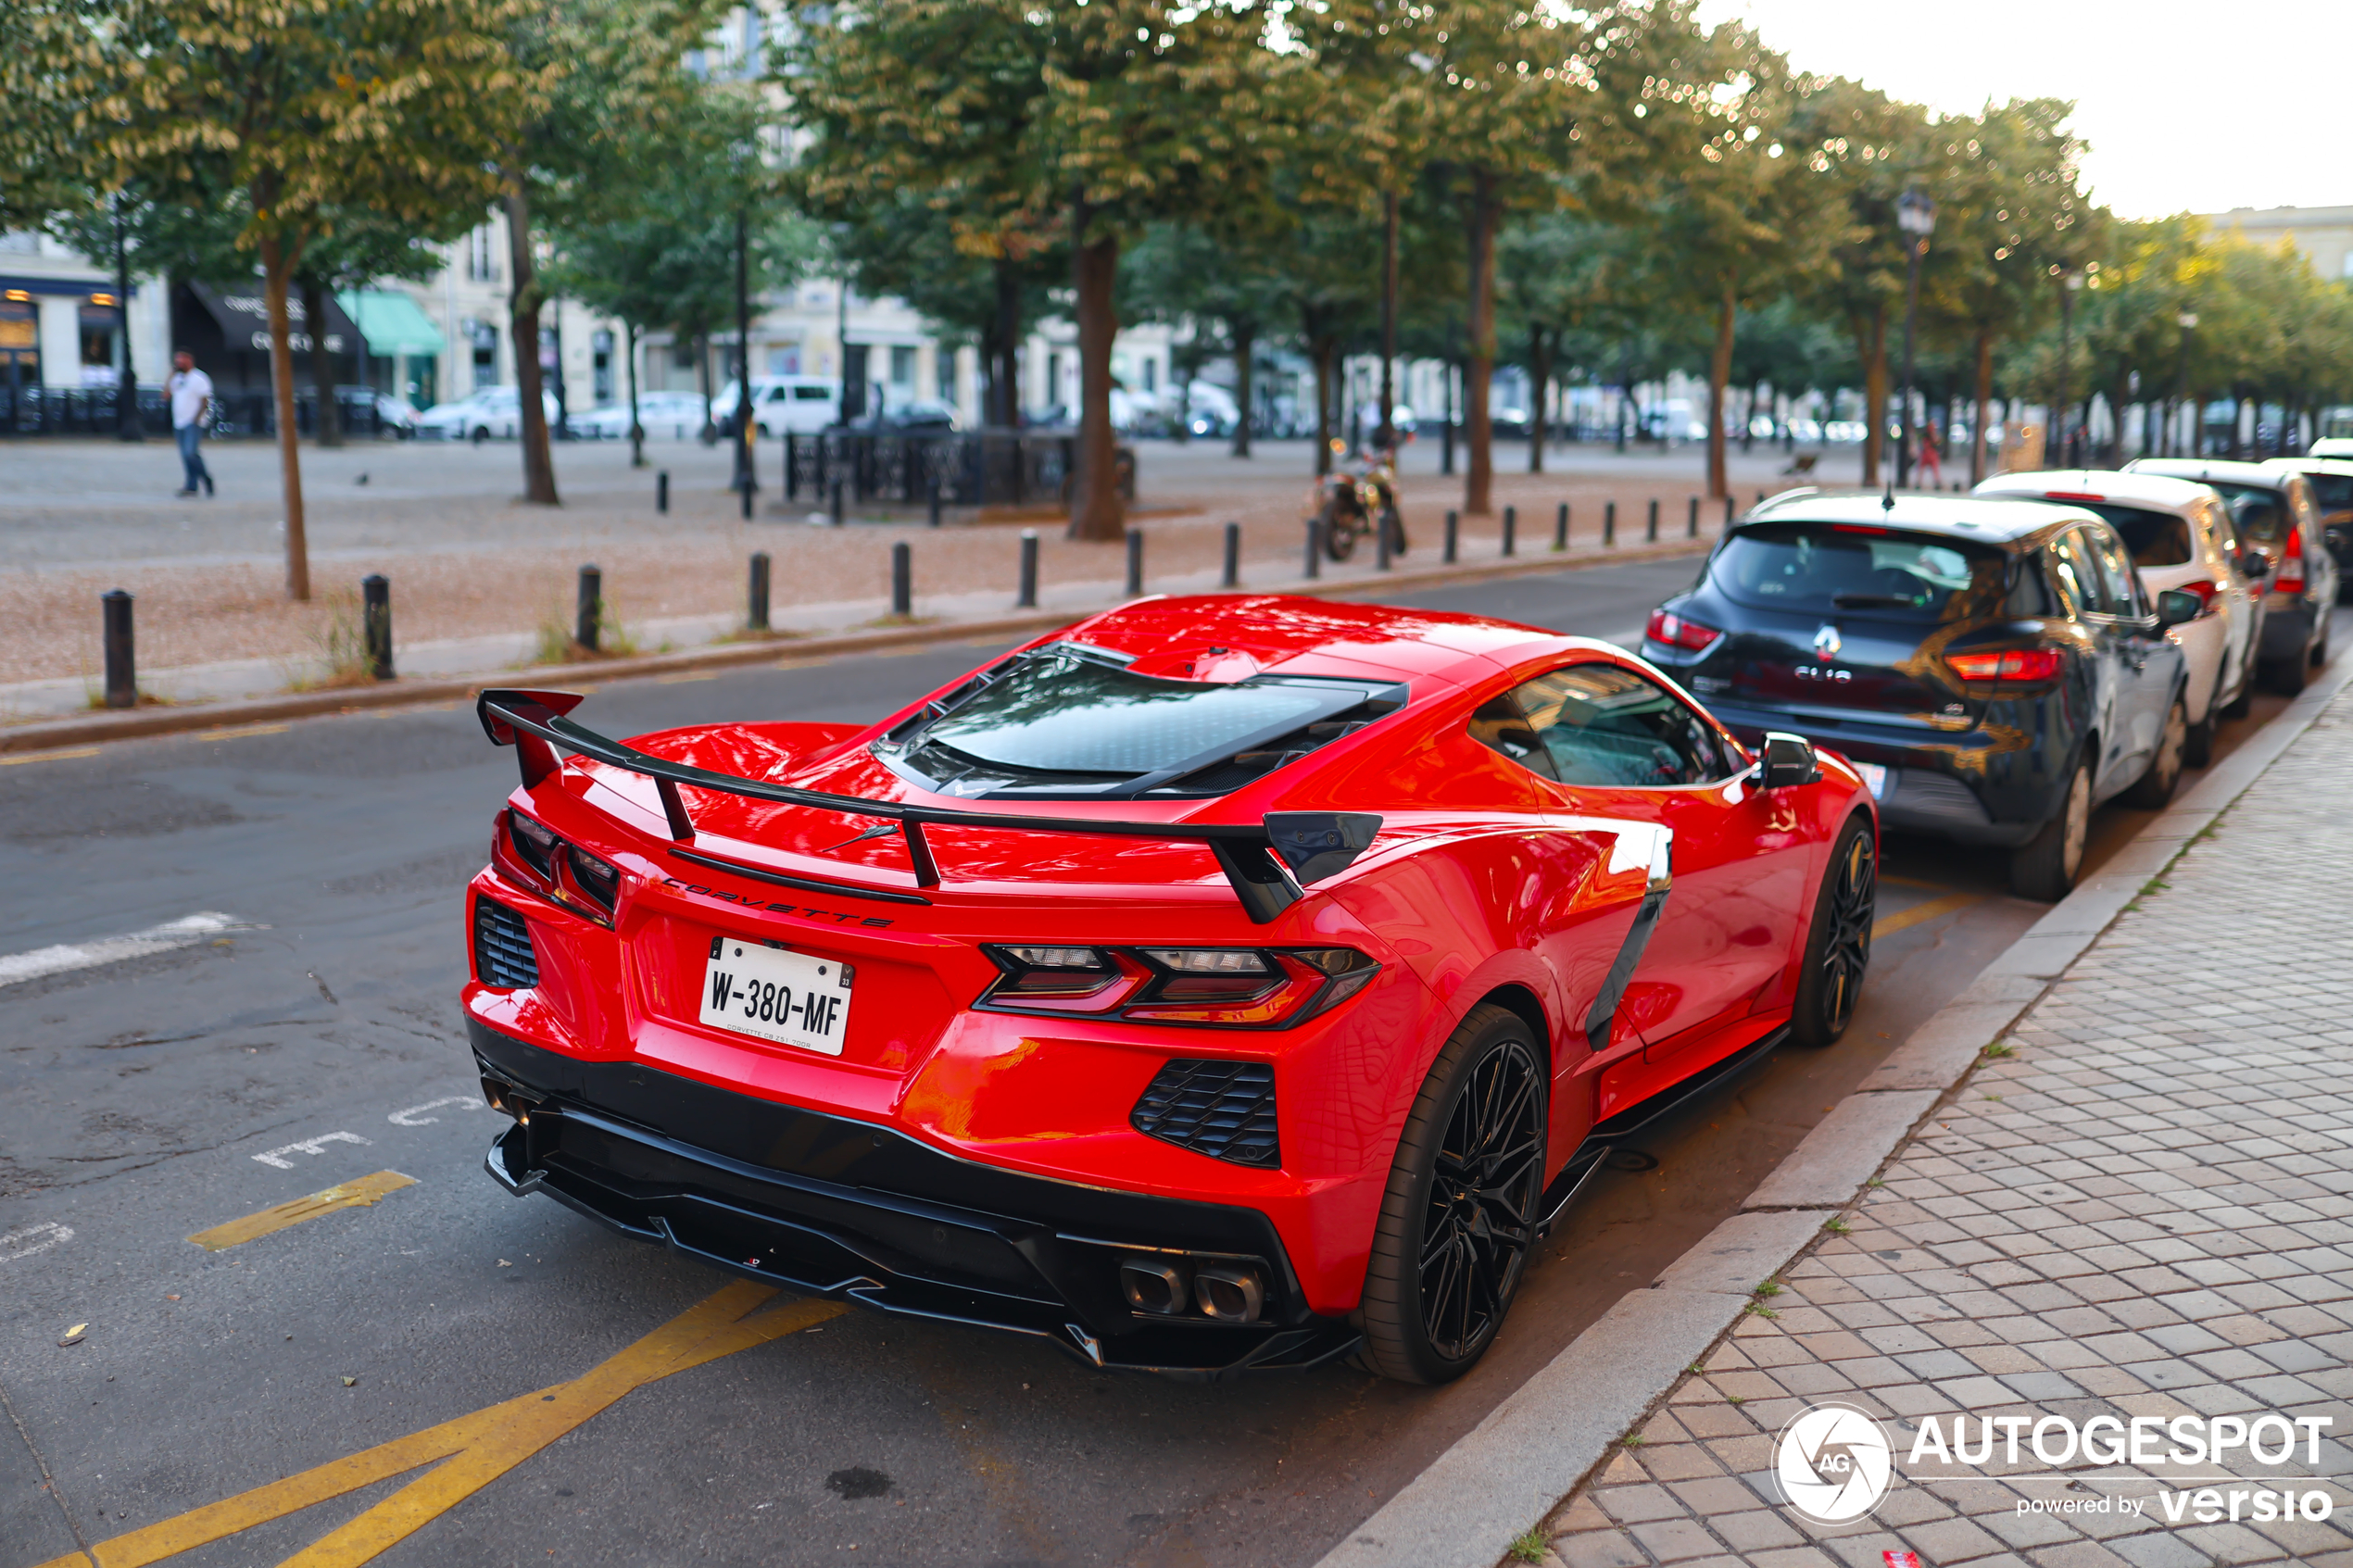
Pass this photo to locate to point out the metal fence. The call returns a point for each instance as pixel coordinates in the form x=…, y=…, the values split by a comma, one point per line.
x=91, y=410
x=970, y=469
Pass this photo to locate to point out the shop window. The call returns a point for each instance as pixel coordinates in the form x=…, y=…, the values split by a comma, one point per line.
x=902, y=366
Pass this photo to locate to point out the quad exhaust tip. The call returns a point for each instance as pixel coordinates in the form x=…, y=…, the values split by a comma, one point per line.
x=1170, y=1287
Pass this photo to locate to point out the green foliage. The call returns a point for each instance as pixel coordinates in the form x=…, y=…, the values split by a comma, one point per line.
x=1528, y=1546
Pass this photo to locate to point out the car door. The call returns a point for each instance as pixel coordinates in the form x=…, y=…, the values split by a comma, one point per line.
x=2098, y=607
x=2155, y=664
x=1620, y=744
x=2240, y=606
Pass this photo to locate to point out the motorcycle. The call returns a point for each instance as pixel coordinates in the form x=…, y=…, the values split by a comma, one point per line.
x=1355, y=498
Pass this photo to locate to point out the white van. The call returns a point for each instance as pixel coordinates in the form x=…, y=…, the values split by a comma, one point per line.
x=799, y=404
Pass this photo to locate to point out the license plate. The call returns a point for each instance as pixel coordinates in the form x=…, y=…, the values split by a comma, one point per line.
x=789, y=998
x=1875, y=777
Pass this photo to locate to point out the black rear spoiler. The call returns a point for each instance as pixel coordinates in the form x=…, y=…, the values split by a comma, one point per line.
x=1266, y=862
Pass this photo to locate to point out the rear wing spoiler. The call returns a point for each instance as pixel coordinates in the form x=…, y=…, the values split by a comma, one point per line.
x=1266, y=862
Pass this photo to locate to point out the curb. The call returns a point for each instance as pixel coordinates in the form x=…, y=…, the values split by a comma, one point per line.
x=139, y=723
x=1543, y=1441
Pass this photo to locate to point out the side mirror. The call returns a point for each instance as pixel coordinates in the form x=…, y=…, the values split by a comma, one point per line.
x=2178, y=606
x=1789, y=760
x=2254, y=564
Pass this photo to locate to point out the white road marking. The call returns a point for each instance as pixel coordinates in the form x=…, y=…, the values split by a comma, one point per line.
x=308, y=1146
x=409, y=1118
x=27, y=1241
x=64, y=957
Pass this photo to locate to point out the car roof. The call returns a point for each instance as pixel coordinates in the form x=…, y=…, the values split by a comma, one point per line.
x=1982, y=520
x=2210, y=468
x=2180, y=496
x=2332, y=465
x=1316, y=635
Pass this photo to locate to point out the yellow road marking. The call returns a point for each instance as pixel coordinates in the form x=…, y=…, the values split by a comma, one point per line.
x=58, y=756
x=238, y=732
x=1908, y=881
x=681, y=680
x=478, y=1449
x=799, y=663
x=1904, y=919
x=278, y=1216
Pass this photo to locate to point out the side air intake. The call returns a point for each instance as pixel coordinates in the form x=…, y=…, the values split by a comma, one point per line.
x=502, y=946
x=1225, y=1110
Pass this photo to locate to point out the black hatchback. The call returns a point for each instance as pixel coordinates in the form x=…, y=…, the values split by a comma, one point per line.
x=1995, y=669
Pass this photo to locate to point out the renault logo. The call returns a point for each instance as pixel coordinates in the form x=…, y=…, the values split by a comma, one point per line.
x=1826, y=641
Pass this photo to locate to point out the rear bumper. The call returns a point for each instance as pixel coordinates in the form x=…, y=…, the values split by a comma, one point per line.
x=835, y=1206
x=1941, y=788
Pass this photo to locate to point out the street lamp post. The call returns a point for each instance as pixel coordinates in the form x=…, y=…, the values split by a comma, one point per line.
x=1915, y=215
x=2070, y=281
x=2188, y=319
x=745, y=481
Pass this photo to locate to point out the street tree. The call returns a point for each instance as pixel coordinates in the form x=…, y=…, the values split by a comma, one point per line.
x=311, y=108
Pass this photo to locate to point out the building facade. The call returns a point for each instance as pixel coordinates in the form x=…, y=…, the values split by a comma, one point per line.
x=2323, y=234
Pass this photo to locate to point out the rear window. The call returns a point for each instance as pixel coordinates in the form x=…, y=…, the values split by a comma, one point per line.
x=1814, y=568
x=2260, y=513
x=1068, y=719
x=2155, y=538
x=2333, y=492
x=812, y=394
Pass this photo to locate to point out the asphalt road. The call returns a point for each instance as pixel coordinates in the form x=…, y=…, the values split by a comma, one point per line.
x=451, y=1376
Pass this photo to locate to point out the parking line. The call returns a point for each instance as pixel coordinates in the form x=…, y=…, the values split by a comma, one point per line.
x=238, y=732
x=68, y=956
x=58, y=756
x=278, y=1216
x=1904, y=919
x=477, y=1449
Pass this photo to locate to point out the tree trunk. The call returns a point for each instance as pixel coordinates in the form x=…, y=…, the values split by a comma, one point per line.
x=326, y=422
x=1478, y=364
x=1539, y=372
x=1096, y=510
x=1245, y=336
x=1008, y=375
x=276, y=266
x=538, y=463
x=1748, y=420
x=1719, y=374
x=1983, y=395
x=1871, y=342
x=637, y=430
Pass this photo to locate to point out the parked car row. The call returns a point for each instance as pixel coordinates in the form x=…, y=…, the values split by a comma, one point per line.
x=1998, y=665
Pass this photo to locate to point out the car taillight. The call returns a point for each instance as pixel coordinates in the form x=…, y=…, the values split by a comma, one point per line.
x=1676, y=632
x=2205, y=590
x=2291, y=577
x=597, y=878
x=1234, y=987
x=534, y=846
x=2018, y=664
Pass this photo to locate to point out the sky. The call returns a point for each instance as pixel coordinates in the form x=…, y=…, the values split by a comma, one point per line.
x=2196, y=108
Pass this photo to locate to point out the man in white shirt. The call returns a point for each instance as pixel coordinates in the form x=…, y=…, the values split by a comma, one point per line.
x=191, y=392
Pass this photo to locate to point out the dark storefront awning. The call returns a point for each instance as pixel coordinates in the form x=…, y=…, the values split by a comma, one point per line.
x=243, y=318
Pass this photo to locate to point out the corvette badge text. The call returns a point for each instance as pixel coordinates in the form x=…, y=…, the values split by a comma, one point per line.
x=1834, y=1462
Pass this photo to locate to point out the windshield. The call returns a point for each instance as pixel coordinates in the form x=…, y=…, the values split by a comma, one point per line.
x=2155, y=538
x=2260, y=513
x=1815, y=567
x=1065, y=718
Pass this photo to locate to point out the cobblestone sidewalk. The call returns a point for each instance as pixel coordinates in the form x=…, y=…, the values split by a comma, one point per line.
x=2146, y=1210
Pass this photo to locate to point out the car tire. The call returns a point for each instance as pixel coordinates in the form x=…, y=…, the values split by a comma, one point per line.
x=1339, y=532
x=2197, y=744
x=1459, y=1217
x=2320, y=642
x=2290, y=675
x=2045, y=866
x=2153, y=791
x=481, y=435
x=1838, y=945
x=2242, y=703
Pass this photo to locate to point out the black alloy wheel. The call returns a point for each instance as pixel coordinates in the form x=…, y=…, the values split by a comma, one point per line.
x=1838, y=949
x=1462, y=1208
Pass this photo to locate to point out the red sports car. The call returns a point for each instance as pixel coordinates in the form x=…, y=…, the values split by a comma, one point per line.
x=1219, y=982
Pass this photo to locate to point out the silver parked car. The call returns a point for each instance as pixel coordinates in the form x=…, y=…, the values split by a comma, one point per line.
x=2276, y=515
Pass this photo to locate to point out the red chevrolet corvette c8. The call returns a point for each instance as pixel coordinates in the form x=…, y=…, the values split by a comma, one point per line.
x=1218, y=983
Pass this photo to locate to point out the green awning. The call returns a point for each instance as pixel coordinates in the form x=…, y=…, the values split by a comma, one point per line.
x=391, y=322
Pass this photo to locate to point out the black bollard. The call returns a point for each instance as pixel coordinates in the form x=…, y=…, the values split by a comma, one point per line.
x=1233, y=573
x=936, y=500
x=756, y=620
x=835, y=515
x=1691, y=524
x=661, y=491
x=1315, y=546
x=746, y=488
x=1760, y=497
x=1453, y=537
x=1650, y=533
x=1028, y=599
x=1380, y=545
x=122, y=672
x=1560, y=528
x=1511, y=531
x=592, y=607
x=902, y=581
x=376, y=616
x=792, y=470
x=1609, y=523
x=1727, y=511
x=1135, y=563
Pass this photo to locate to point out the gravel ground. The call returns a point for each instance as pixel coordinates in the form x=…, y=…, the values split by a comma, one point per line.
x=465, y=558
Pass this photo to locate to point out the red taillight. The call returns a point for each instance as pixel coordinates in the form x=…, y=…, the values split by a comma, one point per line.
x=1677, y=633
x=2291, y=577
x=2204, y=589
x=1245, y=988
x=2018, y=664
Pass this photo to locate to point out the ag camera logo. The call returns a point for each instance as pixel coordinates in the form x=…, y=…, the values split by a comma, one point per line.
x=1833, y=1463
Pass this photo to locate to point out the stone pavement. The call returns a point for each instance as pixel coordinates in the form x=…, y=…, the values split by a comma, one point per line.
x=2144, y=1211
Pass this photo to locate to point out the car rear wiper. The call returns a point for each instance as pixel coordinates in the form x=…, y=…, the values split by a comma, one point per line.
x=1873, y=601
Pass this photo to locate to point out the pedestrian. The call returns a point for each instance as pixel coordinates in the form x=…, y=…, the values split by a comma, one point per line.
x=1931, y=461
x=191, y=393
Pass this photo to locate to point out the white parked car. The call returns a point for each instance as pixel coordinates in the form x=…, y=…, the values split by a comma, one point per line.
x=490, y=412
x=2181, y=536
x=783, y=405
x=2331, y=447
x=666, y=416
x=2276, y=516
